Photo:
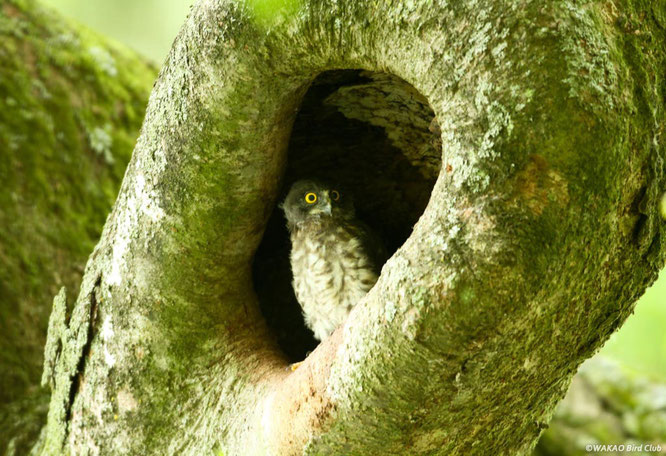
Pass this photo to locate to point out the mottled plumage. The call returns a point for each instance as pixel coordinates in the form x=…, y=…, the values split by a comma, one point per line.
x=335, y=258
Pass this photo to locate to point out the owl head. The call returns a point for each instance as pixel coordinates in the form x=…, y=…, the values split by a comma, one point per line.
x=310, y=199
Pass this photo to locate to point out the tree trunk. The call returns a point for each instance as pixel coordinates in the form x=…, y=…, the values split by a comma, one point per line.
x=72, y=104
x=539, y=233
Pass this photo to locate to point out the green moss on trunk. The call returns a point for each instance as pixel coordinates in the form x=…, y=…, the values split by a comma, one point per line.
x=72, y=105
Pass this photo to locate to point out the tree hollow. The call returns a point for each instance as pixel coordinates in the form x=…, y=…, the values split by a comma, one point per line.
x=373, y=135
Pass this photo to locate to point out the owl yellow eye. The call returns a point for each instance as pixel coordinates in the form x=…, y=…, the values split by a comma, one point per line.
x=335, y=195
x=310, y=198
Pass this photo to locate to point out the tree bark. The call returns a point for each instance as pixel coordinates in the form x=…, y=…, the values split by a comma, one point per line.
x=72, y=104
x=539, y=234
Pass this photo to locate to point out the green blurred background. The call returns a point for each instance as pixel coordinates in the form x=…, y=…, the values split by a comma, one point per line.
x=150, y=26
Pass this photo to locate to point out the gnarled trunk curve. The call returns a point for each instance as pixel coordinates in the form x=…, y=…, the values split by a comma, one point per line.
x=540, y=232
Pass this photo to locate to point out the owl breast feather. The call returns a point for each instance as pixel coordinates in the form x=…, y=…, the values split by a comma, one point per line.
x=332, y=272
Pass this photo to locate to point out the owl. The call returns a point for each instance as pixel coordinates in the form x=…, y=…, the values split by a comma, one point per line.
x=335, y=258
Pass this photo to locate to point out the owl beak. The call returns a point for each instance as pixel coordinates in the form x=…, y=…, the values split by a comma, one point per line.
x=326, y=207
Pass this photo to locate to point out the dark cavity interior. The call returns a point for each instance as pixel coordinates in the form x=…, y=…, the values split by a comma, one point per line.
x=373, y=135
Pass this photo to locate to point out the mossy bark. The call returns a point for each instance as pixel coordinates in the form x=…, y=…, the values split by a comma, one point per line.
x=541, y=231
x=71, y=108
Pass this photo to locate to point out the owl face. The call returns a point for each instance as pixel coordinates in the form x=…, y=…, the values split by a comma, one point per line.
x=309, y=199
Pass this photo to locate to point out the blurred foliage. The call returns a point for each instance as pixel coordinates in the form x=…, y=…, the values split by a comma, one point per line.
x=269, y=11
x=150, y=27
x=607, y=405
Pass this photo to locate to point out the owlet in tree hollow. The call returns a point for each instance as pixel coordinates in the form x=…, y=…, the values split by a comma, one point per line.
x=335, y=258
